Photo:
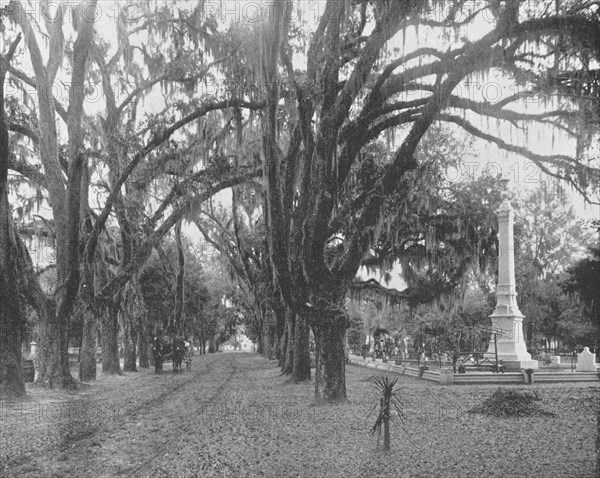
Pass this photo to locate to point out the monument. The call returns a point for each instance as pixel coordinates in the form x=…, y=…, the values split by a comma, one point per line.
x=507, y=317
x=586, y=361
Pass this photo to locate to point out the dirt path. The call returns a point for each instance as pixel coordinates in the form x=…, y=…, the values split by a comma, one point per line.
x=142, y=431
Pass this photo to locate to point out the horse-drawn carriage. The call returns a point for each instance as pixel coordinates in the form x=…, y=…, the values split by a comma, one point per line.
x=177, y=351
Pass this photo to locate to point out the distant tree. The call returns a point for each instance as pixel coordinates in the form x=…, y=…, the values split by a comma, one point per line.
x=197, y=298
x=583, y=279
x=156, y=280
x=548, y=240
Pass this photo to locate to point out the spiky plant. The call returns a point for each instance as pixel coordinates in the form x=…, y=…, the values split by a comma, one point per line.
x=388, y=403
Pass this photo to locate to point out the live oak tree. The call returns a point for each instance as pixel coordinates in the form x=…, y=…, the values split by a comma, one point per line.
x=225, y=301
x=133, y=323
x=64, y=194
x=164, y=54
x=317, y=122
x=120, y=133
x=12, y=317
x=155, y=281
x=134, y=165
x=239, y=237
x=247, y=260
x=157, y=284
x=187, y=189
x=446, y=241
x=450, y=233
x=354, y=87
x=196, y=318
x=446, y=245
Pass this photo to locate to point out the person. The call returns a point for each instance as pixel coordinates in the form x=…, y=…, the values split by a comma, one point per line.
x=188, y=355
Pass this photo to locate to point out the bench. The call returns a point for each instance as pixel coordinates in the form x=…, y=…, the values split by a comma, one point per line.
x=481, y=364
x=481, y=368
x=28, y=370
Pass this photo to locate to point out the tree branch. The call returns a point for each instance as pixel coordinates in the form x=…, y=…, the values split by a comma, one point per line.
x=62, y=112
x=154, y=238
x=557, y=160
x=25, y=131
x=27, y=170
x=156, y=141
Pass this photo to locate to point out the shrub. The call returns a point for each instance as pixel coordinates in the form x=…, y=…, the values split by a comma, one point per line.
x=511, y=403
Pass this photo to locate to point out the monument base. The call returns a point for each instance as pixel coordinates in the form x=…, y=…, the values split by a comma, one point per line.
x=518, y=365
x=509, y=345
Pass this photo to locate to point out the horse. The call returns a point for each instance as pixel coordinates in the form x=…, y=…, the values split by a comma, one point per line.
x=157, y=354
x=174, y=351
x=178, y=353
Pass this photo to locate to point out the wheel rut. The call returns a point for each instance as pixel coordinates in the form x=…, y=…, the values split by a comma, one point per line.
x=81, y=434
x=146, y=468
x=154, y=423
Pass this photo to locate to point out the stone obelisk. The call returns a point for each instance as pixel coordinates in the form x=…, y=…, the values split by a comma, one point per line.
x=507, y=317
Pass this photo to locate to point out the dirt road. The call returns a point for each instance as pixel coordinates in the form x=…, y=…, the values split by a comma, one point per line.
x=172, y=433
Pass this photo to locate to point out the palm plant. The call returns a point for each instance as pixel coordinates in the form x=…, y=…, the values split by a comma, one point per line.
x=389, y=406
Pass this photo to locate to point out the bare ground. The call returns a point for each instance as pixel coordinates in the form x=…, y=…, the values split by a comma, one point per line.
x=234, y=415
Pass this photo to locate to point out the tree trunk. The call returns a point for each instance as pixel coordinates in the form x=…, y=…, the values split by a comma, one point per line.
x=386, y=434
x=261, y=345
x=30, y=288
x=597, y=396
x=266, y=344
x=272, y=341
x=290, y=341
x=12, y=318
x=91, y=318
x=180, y=290
x=11, y=314
x=301, y=367
x=529, y=336
x=87, y=364
x=11, y=374
x=129, y=346
x=64, y=201
x=281, y=350
x=54, y=351
x=259, y=341
x=330, y=374
x=143, y=344
x=110, y=345
x=279, y=331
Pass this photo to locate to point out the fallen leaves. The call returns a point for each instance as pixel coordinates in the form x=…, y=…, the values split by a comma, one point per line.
x=239, y=417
